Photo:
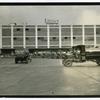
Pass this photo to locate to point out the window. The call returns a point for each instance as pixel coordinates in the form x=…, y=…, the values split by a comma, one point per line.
x=41, y=38
x=39, y=29
x=54, y=38
x=97, y=33
x=15, y=38
x=27, y=29
x=27, y=38
x=18, y=29
x=74, y=37
x=96, y=47
x=65, y=37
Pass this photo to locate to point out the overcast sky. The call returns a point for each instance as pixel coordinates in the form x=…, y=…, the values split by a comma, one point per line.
x=37, y=14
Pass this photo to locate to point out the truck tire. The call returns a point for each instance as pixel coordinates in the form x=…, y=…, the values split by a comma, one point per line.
x=30, y=60
x=67, y=62
x=16, y=61
x=98, y=62
x=26, y=61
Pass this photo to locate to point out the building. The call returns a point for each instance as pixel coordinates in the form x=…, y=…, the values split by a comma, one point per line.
x=48, y=36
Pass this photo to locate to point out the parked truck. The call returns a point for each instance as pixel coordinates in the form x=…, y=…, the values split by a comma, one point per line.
x=79, y=54
x=68, y=55
x=22, y=56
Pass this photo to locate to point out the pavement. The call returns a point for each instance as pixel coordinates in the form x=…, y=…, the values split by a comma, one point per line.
x=48, y=77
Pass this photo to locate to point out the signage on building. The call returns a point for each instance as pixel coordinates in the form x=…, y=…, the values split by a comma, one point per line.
x=52, y=21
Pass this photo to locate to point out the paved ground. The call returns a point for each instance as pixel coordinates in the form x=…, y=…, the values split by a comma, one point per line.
x=48, y=77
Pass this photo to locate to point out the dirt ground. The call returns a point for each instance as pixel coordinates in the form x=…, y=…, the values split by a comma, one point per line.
x=48, y=77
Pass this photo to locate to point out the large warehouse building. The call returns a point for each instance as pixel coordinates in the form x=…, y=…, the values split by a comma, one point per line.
x=48, y=36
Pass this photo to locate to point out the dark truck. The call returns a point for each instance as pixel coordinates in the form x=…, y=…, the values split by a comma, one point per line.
x=68, y=55
x=22, y=56
x=79, y=54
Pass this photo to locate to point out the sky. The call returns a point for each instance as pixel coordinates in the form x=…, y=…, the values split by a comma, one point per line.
x=37, y=14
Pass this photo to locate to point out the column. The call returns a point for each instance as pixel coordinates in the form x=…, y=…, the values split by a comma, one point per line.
x=48, y=36
x=1, y=37
x=36, y=37
x=95, y=36
x=24, y=37
x=60, y=36
x=71, y=35
x=83, y=35
x=12, y=34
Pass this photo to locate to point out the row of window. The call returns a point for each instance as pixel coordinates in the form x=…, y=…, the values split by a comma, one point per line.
x=4, y=33
x=53, y=29
x=55, y=38
x=32, y=41
x=43, y=38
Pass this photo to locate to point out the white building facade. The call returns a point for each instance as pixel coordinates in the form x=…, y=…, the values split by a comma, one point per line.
x=48, y=36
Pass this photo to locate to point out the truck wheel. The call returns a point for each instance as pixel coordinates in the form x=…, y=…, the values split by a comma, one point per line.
x=98, y=62
x=26, y=61
x=30, y=60
x=67, y=62
x=16, y=61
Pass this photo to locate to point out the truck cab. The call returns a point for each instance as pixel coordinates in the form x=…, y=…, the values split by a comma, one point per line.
x=79, y=53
